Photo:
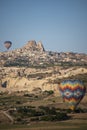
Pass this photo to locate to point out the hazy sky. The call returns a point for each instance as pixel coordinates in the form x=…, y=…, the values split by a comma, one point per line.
x=61, y=25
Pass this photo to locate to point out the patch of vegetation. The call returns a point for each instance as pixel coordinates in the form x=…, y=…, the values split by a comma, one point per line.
x=49, y=92
x=22, y=112
x=40, y=114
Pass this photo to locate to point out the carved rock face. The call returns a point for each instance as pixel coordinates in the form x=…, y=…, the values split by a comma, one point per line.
x=40, y=46
x=32, y=45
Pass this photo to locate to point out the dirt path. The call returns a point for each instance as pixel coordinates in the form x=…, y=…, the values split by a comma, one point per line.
x=7, y=115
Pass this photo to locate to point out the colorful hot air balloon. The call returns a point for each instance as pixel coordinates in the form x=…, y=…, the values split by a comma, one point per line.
x=72, y=92
x=7, y=44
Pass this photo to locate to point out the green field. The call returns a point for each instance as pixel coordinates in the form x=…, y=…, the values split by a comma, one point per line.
x=48, y=126
x=18, y=106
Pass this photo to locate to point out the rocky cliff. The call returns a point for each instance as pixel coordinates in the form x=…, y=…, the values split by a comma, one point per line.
x=32, y=45
x=15, y=79
x=31, y=67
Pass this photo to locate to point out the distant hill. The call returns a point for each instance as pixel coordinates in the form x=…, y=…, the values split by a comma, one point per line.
x=32, y=68
x=34, y=54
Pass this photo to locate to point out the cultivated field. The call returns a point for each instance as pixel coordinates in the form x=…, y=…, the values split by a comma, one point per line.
x=10, y=118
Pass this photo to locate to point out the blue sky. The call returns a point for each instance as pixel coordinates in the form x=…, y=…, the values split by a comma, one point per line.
x=61, y=25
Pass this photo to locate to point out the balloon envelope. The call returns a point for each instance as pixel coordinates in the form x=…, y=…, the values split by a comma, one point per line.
x=72, y=92
x=7, y=44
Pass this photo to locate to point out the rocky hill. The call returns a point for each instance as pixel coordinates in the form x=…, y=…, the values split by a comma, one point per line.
x=33, y=46
x=32, y=68
x=33, y=54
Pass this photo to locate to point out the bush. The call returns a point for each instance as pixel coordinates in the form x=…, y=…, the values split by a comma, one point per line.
x=47, y=110
x=57, y=117
x=47, y=118
x=18, y=102
x=19, y=119
x=50, y=92
x=37, y=113
x=61, y=116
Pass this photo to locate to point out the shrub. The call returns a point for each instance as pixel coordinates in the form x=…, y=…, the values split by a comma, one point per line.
x=61, y=116
x=57, y=117
x=19, y=119
x=47, y=118
x=18, y=102
x=49, y=92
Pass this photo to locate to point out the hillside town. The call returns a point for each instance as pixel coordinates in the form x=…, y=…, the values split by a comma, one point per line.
x=31, y=67
x=33, y=54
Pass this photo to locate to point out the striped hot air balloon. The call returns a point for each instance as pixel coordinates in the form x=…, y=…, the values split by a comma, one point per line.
x=72, y=92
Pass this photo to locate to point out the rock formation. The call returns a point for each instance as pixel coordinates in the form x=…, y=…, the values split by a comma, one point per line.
x=29, y=67
x=40, y=46
x=32, y=45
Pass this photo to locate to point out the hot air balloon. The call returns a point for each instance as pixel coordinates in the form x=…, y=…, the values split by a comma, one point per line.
x=7, y=44
x=72, y=92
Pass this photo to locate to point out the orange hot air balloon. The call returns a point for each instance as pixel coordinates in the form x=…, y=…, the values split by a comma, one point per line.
x=7, y=44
